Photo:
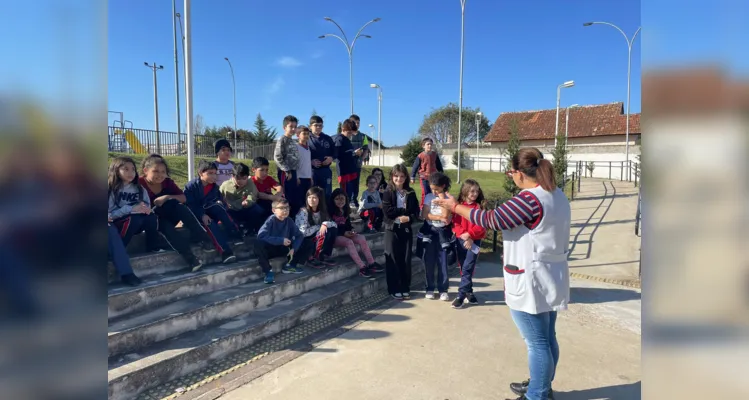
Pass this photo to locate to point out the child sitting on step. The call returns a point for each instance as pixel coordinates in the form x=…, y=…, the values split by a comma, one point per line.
x=315, y=224
x=279, y=236
x=348, y=238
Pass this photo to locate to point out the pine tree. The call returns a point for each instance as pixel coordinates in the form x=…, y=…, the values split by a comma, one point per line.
x=513, y=146
x=339, y=130
x=560, y=159
x=263, y=134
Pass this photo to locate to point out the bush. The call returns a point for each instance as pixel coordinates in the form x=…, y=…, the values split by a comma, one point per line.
x=463, y=161
x=591, y=166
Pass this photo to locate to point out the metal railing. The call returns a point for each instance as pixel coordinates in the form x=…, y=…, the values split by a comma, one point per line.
x=146, y=141
x=624, y=170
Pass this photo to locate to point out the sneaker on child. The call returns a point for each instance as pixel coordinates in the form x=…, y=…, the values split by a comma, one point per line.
x=228, y=257
x=429, y=295
x=288, y=269
x=269, y=278
x=131, y=280
x=444, y=296
x=195, y=264
x=375, y=267
x=458, y=302
x=364, y=273
x=472, y=299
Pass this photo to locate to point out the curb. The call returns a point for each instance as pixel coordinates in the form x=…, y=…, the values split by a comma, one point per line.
x=633, y=283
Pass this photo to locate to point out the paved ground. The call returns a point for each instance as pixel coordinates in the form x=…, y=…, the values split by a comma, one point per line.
x=602, y=240
x=423, y=349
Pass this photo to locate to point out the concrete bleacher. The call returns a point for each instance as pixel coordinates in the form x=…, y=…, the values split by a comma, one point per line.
x=178, y=321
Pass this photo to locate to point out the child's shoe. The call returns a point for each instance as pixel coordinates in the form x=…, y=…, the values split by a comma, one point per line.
x=458, y=302
x=131, y=280
x=228, y=257
x=364, y=273
x=195, y=264
x=375, y=267
x=429, y=296
x=269, y=277
x=472, y=299
x=325, y=261
x=444, y=296
x=288, y=269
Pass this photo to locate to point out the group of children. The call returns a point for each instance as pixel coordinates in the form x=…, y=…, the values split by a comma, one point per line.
x=298, y=216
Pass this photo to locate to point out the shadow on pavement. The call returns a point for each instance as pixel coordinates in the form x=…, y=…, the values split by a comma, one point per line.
x=363, y=334
x=629, y=391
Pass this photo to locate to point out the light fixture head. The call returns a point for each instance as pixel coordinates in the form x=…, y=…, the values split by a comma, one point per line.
x=374, y=85
x=376, y=19
x=568, y=84
x=366, y=36
x=574, y=105
x=328, y=18
x=145, y=63
x=161, y=67
x=478, y=114
x=371, y=126
x=226, y=58
x=588, y=24
x=321, y=37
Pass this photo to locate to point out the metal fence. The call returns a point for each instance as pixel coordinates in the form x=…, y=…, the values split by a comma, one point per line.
x=146, y=141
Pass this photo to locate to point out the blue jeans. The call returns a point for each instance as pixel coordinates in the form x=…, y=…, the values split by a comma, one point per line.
x=323, y=177
x=435, y=257
x=467, y=262
x=120, y=258
x=539, y=333
x=251, y=217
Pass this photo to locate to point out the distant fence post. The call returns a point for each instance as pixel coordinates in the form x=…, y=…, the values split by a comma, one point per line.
x=621, y=178
x=609, y=170
x=573, y=186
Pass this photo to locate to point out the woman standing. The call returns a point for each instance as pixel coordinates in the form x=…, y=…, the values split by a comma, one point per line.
x=400, y=206
x=535, y=228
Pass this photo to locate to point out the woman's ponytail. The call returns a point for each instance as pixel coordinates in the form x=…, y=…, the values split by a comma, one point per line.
x=545, y=175
x=532, y=163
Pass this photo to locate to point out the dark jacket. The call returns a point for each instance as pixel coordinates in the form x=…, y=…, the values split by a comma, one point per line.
x=275, y=231
x=344, y=154
x=391, y=210
x=321, y=147
x=197, y=201
x=343, y=223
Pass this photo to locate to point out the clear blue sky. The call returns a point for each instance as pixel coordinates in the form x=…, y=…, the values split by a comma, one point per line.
x=516, y=53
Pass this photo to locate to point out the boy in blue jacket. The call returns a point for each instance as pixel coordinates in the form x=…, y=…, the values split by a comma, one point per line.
x=204, y=200
x=280, y=236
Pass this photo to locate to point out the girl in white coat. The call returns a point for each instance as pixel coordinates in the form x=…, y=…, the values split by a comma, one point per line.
x=535, y=228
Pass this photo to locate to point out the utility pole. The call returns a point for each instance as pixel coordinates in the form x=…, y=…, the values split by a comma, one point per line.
x=155, y=67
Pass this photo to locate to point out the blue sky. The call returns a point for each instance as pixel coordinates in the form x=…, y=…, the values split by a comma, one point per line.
x=516, y=53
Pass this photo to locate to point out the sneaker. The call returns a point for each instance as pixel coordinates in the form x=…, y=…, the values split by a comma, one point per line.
x=458, y=302
x=195, y=264
x=269, y=278
x=364, y=273
x=472, y=299
x=375, y=267
x=315, y=263
x=444, y=296
x=406, y=296
x=522, y=387
x=155, y=251
x=298, y=269
x=396, y=296
x=288, y=269
x=430, y=295
x=228, y=257
x=131, y=280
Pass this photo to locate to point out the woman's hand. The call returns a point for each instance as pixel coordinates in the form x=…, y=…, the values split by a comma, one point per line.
x=447, y=202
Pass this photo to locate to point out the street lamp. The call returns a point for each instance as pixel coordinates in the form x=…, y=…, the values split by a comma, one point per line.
x=234, y=84
x=629, y=72
x=567, y=124
x=567, y=84
x=349, y=50
x=478, y=137
x=379, y=121
x=190, y=123
x=155, y=67
x=176, y=73
x=460, y=101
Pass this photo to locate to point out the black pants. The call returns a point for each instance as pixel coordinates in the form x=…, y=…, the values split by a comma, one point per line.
x=172, y=212
x=167, y=213
x=134, y=224
x=398, y=243
x=250, y=217
x=265, y=251
x=322, y=244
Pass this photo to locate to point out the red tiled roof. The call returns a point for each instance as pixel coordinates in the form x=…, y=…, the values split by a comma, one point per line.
x=585, y=121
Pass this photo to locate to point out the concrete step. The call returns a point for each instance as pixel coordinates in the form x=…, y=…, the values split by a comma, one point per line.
x=163, y=361
x=153, y=264
x=135, y=332
x=159, y=289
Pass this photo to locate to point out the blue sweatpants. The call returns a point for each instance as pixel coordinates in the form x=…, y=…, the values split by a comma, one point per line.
x=323, y=177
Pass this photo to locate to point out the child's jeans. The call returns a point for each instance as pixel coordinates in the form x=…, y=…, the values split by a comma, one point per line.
x=291, y=192
x=425, y=190
x=350, y=245
x=373, y=216
x=467, y=261
x=120, y=258
x=435, y=257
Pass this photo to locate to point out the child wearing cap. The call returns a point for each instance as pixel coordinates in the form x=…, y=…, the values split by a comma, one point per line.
x=225, y=166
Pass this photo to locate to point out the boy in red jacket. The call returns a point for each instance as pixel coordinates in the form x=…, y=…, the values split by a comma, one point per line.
x=469, y=241
x=426, y=163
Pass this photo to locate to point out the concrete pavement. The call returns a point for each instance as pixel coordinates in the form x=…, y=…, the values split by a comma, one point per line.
x=423, y=349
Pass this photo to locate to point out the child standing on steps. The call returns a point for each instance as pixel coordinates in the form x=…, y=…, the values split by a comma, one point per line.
x=286, y=155
x=401, y=208
x=426, y=163
x=129, y=205
x=315, y=224
x=438, y=237
x=348, y=238
x=223, y=164
x=469, y=241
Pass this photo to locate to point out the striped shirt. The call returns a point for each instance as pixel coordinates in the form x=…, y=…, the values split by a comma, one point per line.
x=523, y=209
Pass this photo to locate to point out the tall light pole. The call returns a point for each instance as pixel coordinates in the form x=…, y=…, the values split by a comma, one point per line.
x=629, y=72
x=188, y=93
x=478, y=137
x=379, y=120
x=567, y=124
x=234, y=85
x=371, y=133
x=349, y=50
x=155, y=67
x=176, y=74
x=460, y=100
x=567, y=84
